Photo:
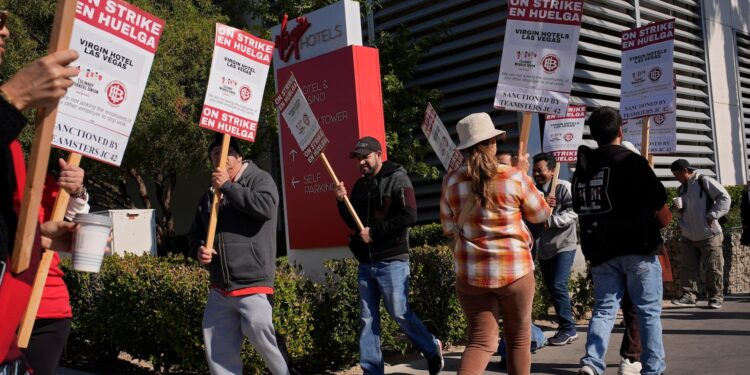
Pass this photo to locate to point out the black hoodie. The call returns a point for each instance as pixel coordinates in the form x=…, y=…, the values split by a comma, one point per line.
x=616, y=194
x=386, y=204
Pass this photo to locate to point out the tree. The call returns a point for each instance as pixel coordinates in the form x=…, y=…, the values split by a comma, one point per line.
x=166, y=141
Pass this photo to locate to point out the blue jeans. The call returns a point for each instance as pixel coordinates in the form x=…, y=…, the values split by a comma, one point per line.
x=389, y=280
x=556, y=273
x=641, y=276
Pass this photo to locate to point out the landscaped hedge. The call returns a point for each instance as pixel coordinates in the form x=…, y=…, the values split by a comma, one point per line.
x=152, y=309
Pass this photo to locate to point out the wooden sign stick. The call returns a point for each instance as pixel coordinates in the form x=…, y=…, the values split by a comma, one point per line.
x=555, y=177
x=28, y=219
x=346, y=198
x=58, y=214
x=215, y=202
x=523, y=143
x=645, y=141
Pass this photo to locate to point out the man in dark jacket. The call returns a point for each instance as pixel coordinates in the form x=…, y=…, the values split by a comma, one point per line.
x=384, y=200
x=241, y=263
x=616, y=195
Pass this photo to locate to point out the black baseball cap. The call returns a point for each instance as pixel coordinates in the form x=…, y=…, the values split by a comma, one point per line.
x=681, y=164
x=365, y=146
x=219, y=138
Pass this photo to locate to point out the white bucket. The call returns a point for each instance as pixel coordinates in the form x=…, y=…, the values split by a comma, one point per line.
x=90, y=241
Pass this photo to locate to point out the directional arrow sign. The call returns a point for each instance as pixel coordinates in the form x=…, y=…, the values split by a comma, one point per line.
x=294, y=182
x=293, y=152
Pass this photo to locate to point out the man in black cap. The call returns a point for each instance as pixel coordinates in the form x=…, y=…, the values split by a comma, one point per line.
x=241, y=263
x=703, y=202
x=384, y=200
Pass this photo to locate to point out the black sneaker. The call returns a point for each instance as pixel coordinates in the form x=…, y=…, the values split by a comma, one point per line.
x=683, y=301
x=435, y=363
x=562, y=338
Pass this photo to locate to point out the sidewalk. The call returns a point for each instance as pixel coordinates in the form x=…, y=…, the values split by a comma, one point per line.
x=697, y=341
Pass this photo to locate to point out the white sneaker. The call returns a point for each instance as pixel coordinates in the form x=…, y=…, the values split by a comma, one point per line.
x=629, y=368
x=587, y=370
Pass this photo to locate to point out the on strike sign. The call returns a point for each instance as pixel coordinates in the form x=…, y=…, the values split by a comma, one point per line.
x=299, y=117
x=116, y=43
x=440, y=140
x=539, y=55
x=662, y=133
x=563, y=134
x=235, y=86
x=647, y=81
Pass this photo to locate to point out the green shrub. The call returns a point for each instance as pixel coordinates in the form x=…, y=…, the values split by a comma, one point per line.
x=152, y=308
x=427, y=234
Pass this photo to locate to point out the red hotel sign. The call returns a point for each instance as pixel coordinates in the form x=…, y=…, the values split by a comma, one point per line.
x=344, y=92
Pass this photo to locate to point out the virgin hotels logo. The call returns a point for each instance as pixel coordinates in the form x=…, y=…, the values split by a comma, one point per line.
x=287, y=42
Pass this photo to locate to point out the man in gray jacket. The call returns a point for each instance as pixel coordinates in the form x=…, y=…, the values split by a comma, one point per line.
x=241, y=263
x=556, y=243
x=703, y=202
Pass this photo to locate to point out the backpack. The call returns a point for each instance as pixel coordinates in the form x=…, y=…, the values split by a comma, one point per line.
x=538, y=341
x=703, y=183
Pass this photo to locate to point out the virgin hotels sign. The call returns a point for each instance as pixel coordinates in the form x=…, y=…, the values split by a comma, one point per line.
x=317, y=33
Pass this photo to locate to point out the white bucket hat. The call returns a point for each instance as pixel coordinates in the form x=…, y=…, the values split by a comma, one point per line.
x=475, y=128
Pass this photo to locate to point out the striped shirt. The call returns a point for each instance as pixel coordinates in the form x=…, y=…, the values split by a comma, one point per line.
x=493, y=249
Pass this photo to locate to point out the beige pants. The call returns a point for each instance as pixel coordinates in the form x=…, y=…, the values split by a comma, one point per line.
x=707, y=254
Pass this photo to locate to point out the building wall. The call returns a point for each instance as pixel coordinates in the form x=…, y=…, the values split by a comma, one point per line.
x=722, y=19
x=464, y=65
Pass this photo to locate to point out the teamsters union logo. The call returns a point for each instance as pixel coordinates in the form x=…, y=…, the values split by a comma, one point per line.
x=654, y=74
x=116, y=93
x=550, y=63
x=245, y=93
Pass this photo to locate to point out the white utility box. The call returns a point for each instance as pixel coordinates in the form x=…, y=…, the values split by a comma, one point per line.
x=133, y=231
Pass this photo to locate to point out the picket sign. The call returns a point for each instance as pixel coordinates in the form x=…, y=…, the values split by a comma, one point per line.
x=41, y=146
x=295, y=110
x=58, y=214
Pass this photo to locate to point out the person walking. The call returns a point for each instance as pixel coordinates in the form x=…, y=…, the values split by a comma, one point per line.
x=384, y=198
x=241, y=263
x=617, y=196
x=556, y=246
x=482, y=204
x=704, y=203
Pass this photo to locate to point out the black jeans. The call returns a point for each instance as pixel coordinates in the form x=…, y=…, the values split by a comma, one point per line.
x=46, y=345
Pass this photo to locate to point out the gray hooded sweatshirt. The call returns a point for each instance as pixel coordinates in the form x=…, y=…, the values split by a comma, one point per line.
x=693, y=216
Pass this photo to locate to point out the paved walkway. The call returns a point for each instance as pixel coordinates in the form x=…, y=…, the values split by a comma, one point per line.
x=697, y=341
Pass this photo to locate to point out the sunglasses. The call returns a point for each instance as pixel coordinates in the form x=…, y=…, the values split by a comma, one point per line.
x=3, y=18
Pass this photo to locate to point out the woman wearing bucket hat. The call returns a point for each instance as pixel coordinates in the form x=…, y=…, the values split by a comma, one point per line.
x=481, y=207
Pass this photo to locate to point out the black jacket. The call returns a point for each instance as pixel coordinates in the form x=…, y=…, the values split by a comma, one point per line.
x=386, y=204
x=245, y=231
x=616, y=194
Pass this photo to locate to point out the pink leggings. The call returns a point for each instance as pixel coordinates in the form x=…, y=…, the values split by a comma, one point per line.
x=482, y=307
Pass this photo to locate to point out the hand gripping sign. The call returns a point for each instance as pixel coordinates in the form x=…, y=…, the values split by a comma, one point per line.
x=116, y=43
x=234, y=95
x=303, y=124
x=440, y=140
